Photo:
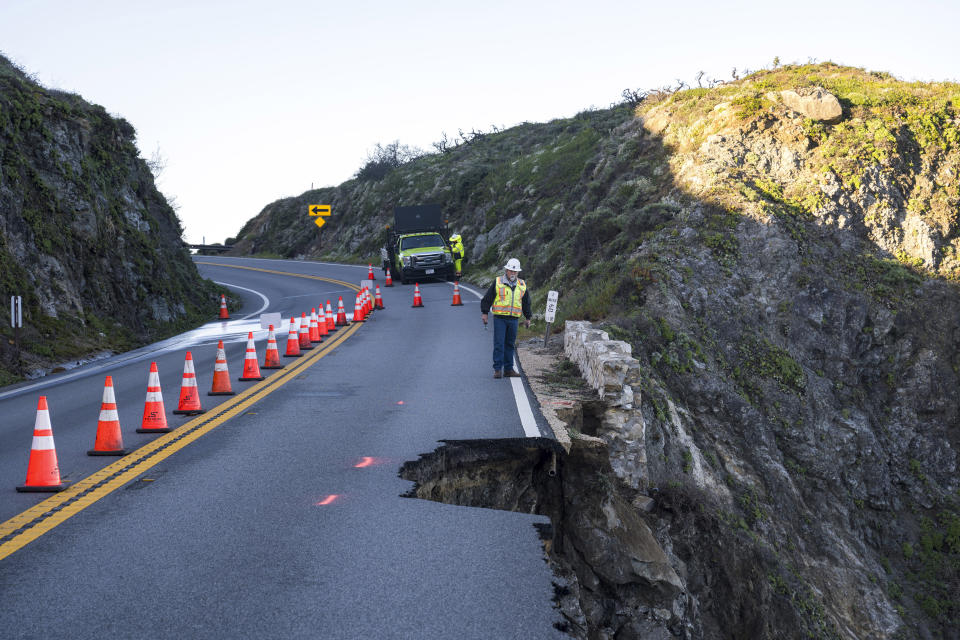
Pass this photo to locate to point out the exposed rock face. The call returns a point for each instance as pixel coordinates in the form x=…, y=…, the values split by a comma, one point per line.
x=816, y=103
x=85, y=237
x=788, y=292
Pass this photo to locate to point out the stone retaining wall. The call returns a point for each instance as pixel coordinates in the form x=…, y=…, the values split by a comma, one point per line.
x=608, y=367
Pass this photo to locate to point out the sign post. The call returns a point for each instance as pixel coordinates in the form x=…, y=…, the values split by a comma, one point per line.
x=550, y=313
x=16, y=321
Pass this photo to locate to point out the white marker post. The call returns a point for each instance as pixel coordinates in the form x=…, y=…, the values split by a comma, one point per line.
x=550, y=313
x=16, y=322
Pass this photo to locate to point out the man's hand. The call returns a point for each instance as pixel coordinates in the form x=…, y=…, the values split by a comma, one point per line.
x=528, y=323
x=483, y=317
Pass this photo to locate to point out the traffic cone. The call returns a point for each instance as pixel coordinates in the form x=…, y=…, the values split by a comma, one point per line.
x=322, y=324
x=331, y=323
x=379, y=300
x=109, y=440
x=271, y=360
x=370, y=275
x=357, y=309
x=293, y=341
x=457, y=302
x=417, y=300
x=224, y=314
x=154, y=415
x=341, y=314
x=251, y=370
x=368, y=301
x=221, y=375
x=189, y=404
x=314, y=327
x=304, y=333
x=43, y=472
x=389, y=281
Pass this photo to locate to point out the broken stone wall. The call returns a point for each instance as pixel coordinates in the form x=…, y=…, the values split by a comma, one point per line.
x=609, y=368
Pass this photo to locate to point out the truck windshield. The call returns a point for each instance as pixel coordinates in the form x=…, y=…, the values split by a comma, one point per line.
x=419, y=242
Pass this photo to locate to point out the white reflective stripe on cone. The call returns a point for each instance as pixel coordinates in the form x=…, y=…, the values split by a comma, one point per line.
x=42, y=421
x=109, y=415
x=154, y=396
x=220, y=366
x=42, y=443
x=189, y=382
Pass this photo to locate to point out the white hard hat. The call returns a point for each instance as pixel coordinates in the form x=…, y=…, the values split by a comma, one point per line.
x=513, y=265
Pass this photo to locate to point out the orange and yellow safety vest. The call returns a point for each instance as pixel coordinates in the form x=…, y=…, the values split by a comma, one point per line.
x=508, y=300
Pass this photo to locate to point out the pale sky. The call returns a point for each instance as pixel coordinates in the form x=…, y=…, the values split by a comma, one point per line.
x=249, y=102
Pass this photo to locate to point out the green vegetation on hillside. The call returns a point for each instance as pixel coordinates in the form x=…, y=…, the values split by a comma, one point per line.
x=86, y=239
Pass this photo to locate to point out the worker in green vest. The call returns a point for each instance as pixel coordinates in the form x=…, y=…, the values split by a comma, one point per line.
x=509, y=299
x=456, y=248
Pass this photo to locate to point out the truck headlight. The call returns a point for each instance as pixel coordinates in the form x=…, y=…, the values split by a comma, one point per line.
x=405, y=260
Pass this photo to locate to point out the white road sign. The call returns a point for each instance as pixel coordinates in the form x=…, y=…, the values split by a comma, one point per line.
x=551, y=311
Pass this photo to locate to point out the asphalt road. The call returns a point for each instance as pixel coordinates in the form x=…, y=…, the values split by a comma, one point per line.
x=287, y=519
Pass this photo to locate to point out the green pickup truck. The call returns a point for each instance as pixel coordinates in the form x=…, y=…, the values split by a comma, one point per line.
x=417, y=248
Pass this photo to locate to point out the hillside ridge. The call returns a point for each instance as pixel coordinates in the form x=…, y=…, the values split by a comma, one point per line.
x=86, y=239
x=788, y=285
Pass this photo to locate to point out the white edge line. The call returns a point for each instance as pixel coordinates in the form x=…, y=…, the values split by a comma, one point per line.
x=147, y=352
x=266, y=300
x=529, y=423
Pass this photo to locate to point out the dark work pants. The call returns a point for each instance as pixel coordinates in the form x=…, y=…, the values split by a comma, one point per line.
x=504, y=341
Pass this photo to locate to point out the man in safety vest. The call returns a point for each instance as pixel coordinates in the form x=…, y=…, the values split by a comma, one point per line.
x=456, y=248
x=509, y=299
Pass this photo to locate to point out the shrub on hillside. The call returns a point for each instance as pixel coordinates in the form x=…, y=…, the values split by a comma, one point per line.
x=385, y=158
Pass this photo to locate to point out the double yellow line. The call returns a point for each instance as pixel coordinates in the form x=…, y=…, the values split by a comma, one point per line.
x=29, y=525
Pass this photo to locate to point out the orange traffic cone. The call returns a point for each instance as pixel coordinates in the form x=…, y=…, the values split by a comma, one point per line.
x=370, y=275
x=314, y=327
x=189, y=404
x=379, y=300
x=43, y=472
x=417, y=300
x=304, y=333
x=341, y=314
x=322, y=324
x=293, y=341
x=221, y=375
x=389, y=280
x=224, y=314
x=109, y=441
x=154, y=415
x=271, y=360
x=331, y=323
x=457, y=302
x=357, y=310
x=251, y=370
x=367, y=302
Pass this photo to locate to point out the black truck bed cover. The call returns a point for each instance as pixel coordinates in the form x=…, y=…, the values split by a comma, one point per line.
x=419, y=218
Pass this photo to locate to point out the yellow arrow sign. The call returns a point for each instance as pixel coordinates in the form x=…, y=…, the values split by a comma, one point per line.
x=318, y=210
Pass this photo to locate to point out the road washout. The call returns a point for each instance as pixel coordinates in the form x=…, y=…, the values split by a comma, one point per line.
x=613, y=579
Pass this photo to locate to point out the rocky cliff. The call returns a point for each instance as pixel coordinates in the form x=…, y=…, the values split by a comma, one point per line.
x=781, y=254
x=85, y=237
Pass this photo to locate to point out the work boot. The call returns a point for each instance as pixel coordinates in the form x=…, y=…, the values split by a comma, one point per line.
x=510, y=373
x=497, y=373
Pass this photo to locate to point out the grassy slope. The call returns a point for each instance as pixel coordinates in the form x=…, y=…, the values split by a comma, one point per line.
x=631, y=232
